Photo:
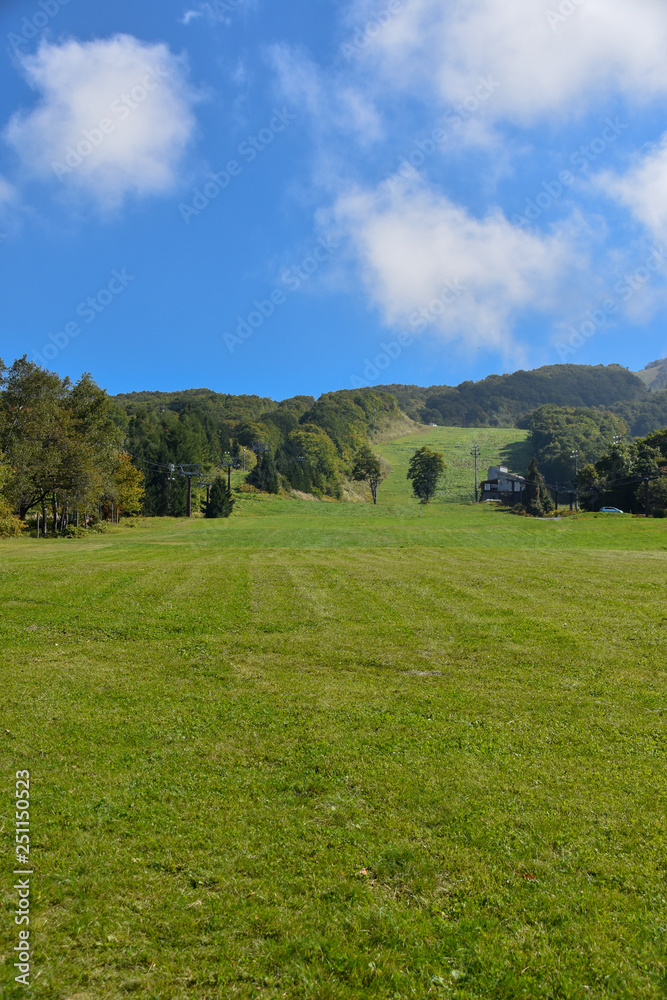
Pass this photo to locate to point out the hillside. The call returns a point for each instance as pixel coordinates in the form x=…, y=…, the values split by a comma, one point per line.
x=497, y=445
x=654, y=375
x=506, y=400
x=312, y=441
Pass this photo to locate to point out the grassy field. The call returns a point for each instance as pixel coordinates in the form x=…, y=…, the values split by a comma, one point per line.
x=334, y=751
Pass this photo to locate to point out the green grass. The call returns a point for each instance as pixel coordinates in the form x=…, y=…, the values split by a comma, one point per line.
x=498, y=445
x=337, y=751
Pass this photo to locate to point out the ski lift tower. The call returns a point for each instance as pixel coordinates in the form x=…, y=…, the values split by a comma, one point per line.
x=192, y=472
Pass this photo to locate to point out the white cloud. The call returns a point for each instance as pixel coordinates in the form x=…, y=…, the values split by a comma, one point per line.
x=643, y=189
x=114, y=117
x=7, y=192
x=544, y=64
x=342, y=105
x=426, y=261
x=190, y=15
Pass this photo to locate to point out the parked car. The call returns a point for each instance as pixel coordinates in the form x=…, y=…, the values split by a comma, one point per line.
x=610, y=510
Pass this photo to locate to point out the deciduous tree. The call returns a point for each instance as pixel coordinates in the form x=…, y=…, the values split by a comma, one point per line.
x=426, y=470
x=368, y=468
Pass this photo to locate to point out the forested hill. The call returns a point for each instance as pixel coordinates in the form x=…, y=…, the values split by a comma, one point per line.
x=309, y=442
x=506, y=400
x=313, y=441
x=222, y=405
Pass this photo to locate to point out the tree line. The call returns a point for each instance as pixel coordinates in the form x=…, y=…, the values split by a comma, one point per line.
x=300, y=443
x=71, y=453
x=592, y=452
x=507, y=400
x=61, y=451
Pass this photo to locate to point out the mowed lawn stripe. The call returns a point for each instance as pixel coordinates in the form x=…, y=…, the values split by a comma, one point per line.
x=429, y=768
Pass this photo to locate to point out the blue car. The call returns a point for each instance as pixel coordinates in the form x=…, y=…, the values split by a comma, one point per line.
x=610, y=510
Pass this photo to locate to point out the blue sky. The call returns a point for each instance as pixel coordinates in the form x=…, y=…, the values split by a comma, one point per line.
x=284, y=199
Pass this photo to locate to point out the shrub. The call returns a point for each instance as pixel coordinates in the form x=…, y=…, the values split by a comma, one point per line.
x=10, y=524
x=658, y=512
x=71, y=531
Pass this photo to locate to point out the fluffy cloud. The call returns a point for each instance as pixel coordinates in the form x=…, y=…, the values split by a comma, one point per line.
x=114, y=117
x=549, y=56
x=427, y=262
x=643, y=189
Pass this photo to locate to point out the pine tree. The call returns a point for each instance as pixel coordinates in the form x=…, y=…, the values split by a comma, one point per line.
x=220, y=502
x=538, y=500
x=265, y=475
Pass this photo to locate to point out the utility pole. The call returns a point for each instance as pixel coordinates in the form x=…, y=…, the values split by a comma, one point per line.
x=229, y=463
x=575, y=456
x=475, y=451
x=208, y=490
x=260, y=449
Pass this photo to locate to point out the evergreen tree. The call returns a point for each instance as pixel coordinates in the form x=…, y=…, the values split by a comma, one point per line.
x=265, y=475
x=220, y=502
x=538, y=500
